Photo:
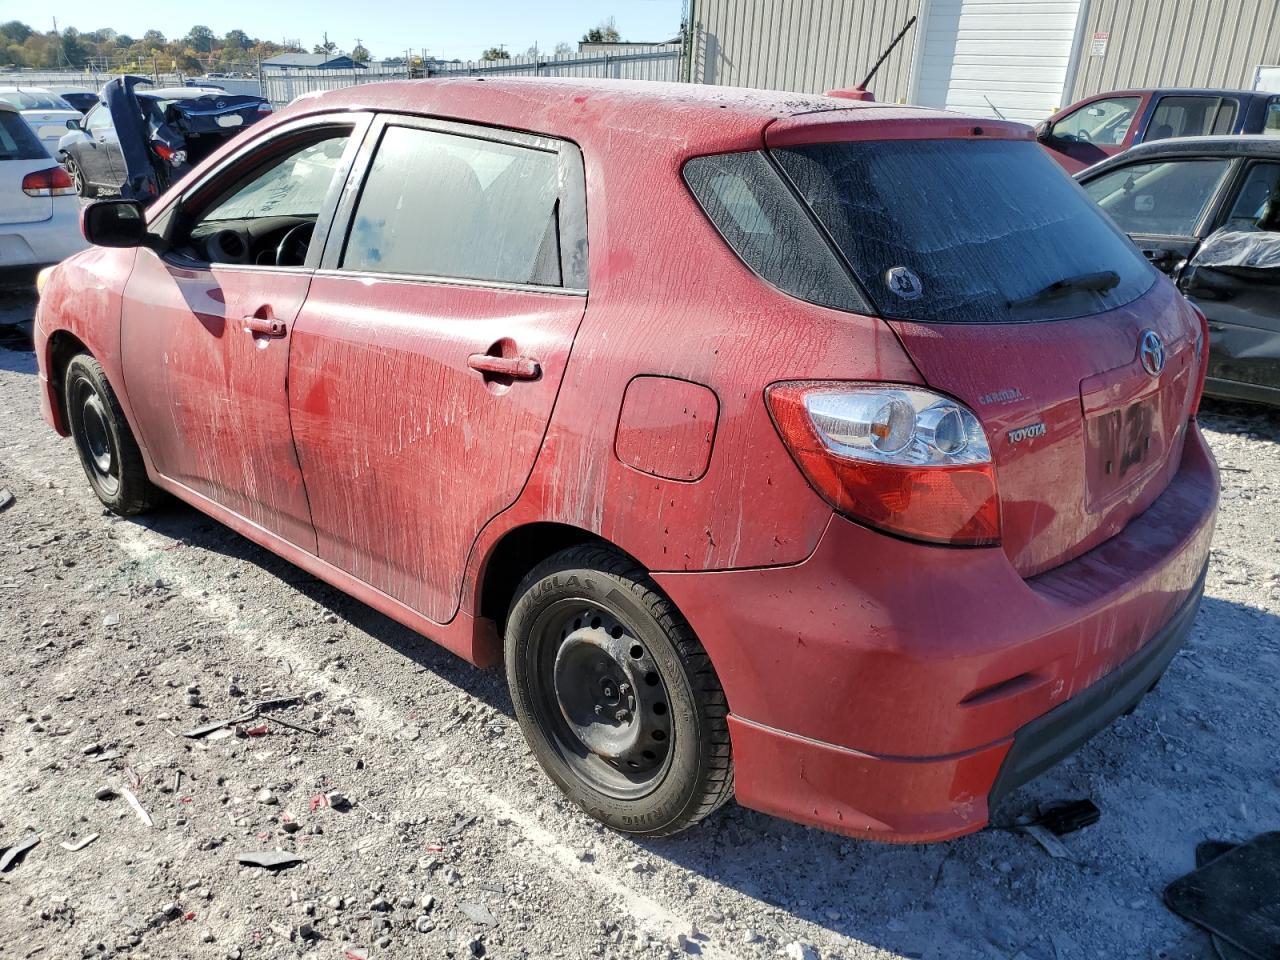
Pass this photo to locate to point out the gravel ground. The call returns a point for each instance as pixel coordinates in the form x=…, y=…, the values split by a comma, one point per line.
x=424, y=826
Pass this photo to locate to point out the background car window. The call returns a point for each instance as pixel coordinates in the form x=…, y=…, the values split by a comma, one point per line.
x=1191, y=117
x=760, y=219
x=441, y=205
x=1103, y=121
x=294, y=185
x=17, y=141
x=1258, y=202
x=1271, y=125
x=1165, y=199
x=27, y=100
x=98, y=122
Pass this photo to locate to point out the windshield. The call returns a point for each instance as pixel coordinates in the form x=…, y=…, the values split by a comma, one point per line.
x=966, y=231
x=32, y=100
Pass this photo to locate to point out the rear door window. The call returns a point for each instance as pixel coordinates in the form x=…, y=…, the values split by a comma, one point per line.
x=1161, y=199
x=1102, y=121
x=1271, y=123
x=967, y=230
x=441, y=205
x=1192, y=117
x=17, y=140
x=1257, y=205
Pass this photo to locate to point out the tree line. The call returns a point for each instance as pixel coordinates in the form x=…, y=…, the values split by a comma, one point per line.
x=24, y=46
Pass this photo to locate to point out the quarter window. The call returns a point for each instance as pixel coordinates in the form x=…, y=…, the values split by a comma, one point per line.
x=442, y=205
x=1191, y=117
x=1164, y=199
x=1271, y=125
x=1102, y=121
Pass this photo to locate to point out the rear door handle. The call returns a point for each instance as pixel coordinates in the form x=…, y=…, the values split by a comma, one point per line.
x=517, y=368
x=264, y=324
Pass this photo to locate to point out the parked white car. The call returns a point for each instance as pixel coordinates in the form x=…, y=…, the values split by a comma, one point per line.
x=39, y=211
x=45, y=111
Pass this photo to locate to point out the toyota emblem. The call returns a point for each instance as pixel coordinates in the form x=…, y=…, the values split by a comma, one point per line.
x=1151, y=350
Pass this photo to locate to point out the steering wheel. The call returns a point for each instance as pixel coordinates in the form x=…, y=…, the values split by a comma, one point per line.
x=292, y=249
x=1083, y=136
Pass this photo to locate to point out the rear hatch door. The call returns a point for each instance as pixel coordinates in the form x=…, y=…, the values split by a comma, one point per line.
x=20, y=154
x=1012, y=293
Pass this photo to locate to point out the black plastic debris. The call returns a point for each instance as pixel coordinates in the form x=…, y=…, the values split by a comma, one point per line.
x=14, y=854
x=6, y=500
x=269, y=859
x=1235, y=896
x=1206, y=851
x=1069, y=817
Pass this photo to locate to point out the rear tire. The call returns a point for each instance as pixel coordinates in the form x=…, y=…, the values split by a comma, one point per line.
x=616, y=697
x=108, y=452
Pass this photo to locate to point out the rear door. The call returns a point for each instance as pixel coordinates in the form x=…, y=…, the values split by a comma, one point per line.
x=1166, y=206
x=426, y=360
x=1011, y=293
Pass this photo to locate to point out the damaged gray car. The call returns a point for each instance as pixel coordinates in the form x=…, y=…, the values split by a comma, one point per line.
x=138, y=141
x=1206, y=211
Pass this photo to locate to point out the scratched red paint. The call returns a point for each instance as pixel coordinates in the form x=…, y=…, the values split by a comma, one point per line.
x=874, y=683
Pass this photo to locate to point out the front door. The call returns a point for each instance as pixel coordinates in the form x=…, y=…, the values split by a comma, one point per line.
x=206, y=326
x=1093, y=131
x=1164, y=205
x=99, y=151
x=426, y=360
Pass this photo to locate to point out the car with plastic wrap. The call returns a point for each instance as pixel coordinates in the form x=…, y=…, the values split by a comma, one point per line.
x=840, y=455
x=1206, y=211
x=137, y=142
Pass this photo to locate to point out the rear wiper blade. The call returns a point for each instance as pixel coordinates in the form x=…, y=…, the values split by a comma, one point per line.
x=1099, y=282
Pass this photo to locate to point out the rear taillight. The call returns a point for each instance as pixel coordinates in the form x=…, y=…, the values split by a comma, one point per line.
x=175, y=158
x=54, y=182
x=1202, y=357
x=906, y=460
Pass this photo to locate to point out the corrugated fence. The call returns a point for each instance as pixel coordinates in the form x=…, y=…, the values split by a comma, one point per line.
x=282, y=86
x=1186, y=43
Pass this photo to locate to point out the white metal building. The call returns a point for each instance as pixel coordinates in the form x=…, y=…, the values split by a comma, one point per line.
x=1018, y=58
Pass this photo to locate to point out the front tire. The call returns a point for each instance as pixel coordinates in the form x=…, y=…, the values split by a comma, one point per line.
x=108, y=452
x=616, y=697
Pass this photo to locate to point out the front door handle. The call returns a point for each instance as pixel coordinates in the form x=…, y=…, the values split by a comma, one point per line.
x=517, y=368
x=264, y=324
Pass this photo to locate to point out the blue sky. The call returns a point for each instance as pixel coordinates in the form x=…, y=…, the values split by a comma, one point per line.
x=445, y=28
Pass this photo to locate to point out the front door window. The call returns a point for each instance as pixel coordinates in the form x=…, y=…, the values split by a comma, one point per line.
x=1103, y=122
x=1163, y=199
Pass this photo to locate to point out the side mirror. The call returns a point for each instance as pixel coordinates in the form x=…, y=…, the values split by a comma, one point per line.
x=114, y=223
x=1044, y=131
x=73, y=124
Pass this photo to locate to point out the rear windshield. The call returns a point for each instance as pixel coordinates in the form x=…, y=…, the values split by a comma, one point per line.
x=17, y=141
x=967, y=231
x=33, y=100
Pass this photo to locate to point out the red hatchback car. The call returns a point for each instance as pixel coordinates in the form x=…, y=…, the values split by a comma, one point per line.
x=836, y=454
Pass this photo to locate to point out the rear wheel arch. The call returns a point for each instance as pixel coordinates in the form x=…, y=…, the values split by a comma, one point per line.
x=518, y=551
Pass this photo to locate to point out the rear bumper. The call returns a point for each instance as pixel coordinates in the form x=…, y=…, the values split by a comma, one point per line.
x=892, y=690
x=32, y=245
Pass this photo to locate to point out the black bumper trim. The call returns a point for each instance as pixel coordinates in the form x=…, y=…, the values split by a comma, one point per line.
x=1045, y=741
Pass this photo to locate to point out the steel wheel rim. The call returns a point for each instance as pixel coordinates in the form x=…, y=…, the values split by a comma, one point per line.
x=600, y=696
x=95, y=438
